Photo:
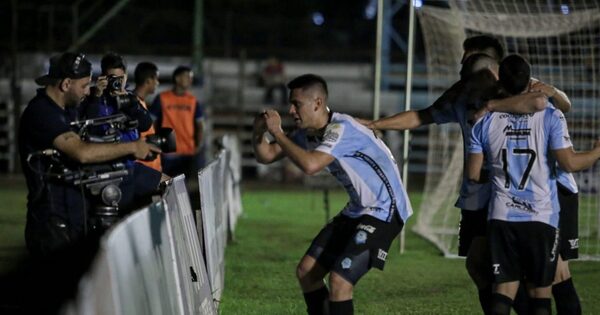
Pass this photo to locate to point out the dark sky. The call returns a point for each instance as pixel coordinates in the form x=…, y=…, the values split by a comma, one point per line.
x=259, y=27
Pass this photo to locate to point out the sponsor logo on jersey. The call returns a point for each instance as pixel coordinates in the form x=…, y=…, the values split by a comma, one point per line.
x=510, y=132
x=368, y=228
x=360, y=237
x=346, y=263
x=180, y=107
x=567, y=138
x=332, y=134
x=520, y=204
x=496, y=269
x=574, y=243
x=381, y=255
x=516, y=117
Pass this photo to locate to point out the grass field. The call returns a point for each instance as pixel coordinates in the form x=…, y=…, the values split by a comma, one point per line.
x=273, y=233
x=276, y=229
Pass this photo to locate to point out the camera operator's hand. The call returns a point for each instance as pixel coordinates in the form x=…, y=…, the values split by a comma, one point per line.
x=101, y=84
x=143, y=149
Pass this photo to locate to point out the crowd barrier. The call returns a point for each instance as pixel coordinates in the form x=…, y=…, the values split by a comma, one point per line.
x=153, y=261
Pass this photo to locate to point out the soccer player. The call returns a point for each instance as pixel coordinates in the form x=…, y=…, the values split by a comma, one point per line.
x=359, y=237
x=475, y=91
x=524, y=207
x=471, y=97
x=564, y=292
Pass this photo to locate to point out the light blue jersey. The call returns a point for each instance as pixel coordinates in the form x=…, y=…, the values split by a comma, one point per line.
x=517, y=150
x=365, y=167
x=564, y=178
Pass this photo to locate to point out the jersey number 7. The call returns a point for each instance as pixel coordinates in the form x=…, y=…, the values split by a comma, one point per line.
x=525, y=175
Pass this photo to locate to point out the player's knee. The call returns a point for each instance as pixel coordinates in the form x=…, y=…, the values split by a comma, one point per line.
x=562, y=271
x=340, y=288
x=308, y=270
x=302, y=270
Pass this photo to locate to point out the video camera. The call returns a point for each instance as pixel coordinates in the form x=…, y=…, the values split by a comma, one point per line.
x=101, y=180
x=164, y=138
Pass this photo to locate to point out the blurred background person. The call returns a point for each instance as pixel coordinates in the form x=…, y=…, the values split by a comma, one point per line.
x=146, y=82
x=180, y=110
x=273, y=77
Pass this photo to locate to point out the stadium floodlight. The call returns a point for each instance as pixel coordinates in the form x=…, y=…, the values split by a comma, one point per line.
x=561, y=43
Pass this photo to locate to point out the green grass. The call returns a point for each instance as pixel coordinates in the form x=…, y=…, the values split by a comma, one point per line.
x=276, y=229
x=13, y=202
x=273, y=233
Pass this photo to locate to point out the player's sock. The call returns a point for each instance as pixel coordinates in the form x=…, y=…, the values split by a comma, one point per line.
x=566, y=298
x=485, y=299
x=540, y=306
x=521, y=302
x=316, y=301
x=500, y=304
x=341, y=307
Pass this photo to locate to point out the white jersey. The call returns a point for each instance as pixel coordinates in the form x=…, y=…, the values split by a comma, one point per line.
x=365, y=167
x=566, y=179
x=517, y=150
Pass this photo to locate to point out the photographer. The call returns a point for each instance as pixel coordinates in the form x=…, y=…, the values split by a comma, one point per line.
x=55, y=232
x=56, y=210
x=109, y=97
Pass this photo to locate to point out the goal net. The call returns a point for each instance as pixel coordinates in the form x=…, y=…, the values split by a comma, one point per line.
x=562, y=42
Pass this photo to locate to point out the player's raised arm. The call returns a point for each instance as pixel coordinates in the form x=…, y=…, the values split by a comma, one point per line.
x=310, y=162
x=264, y=151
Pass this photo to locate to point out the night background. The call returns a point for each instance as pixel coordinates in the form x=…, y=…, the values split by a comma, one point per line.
x=312, y=30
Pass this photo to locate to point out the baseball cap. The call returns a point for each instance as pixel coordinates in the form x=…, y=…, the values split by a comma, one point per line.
x=68, y=65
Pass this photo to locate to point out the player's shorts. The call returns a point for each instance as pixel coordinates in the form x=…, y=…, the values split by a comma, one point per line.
x=351, y=246
x=568, y=223
x=523, y=249
x=473, y=223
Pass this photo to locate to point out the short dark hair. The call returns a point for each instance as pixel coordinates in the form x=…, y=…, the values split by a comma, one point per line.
x=514, y=74
x=179, y=70
x=112, y=61
x=144, y=71
x=476, y=63
x=306, y=81
x=483, y=42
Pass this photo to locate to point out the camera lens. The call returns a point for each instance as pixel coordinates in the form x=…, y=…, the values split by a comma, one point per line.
x=115, y=83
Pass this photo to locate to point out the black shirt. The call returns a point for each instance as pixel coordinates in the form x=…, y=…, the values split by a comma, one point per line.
x=48, y=198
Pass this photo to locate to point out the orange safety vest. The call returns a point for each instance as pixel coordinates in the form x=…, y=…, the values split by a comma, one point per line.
x=178, y=114
x=155, y=164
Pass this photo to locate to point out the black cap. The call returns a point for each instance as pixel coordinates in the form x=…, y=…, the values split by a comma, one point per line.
x=68, y=65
